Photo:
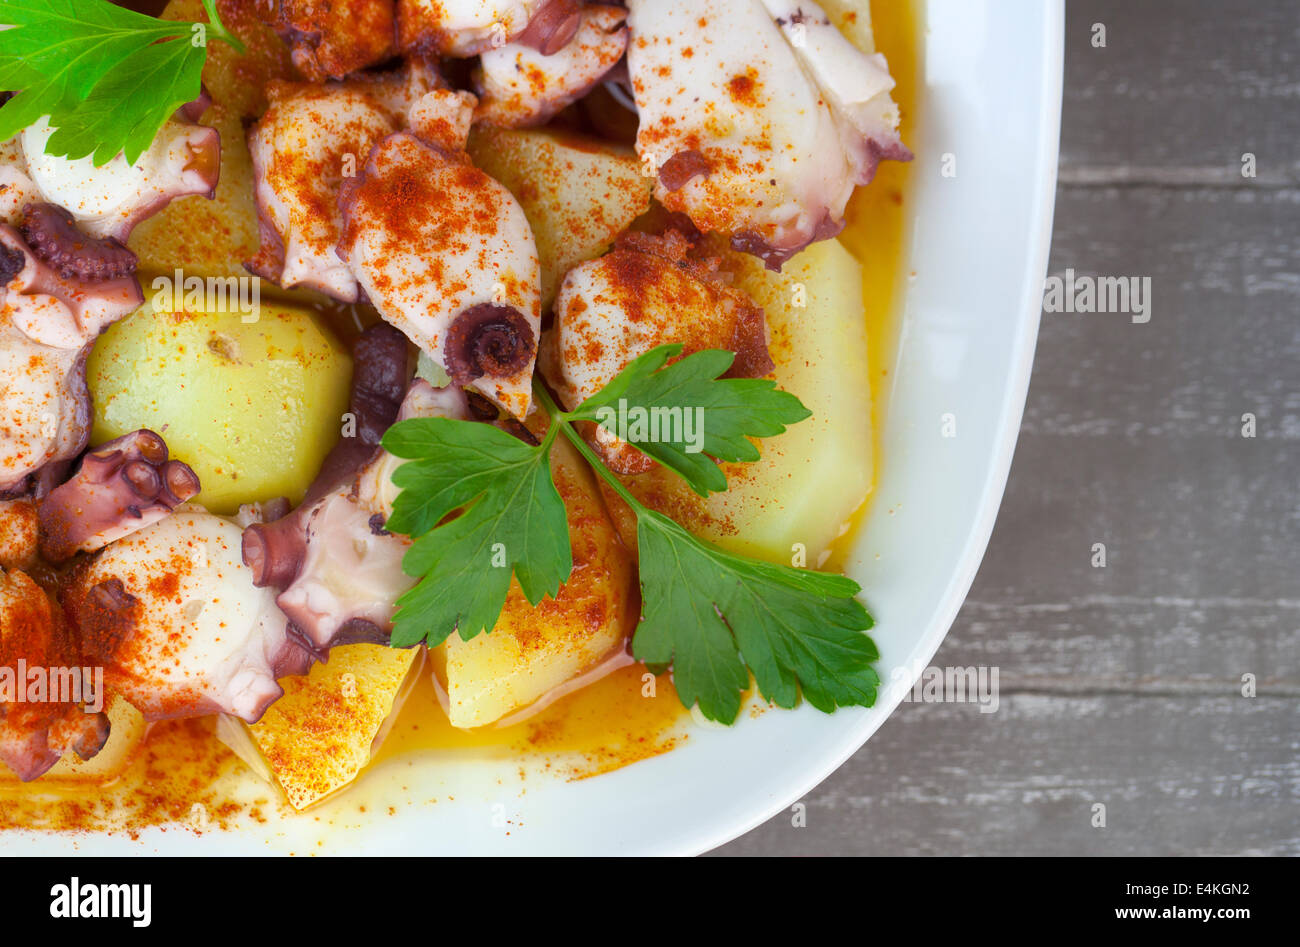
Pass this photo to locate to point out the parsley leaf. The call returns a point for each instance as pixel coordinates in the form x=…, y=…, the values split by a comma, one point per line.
x=512, y=522
x=705, y=608
x=684, y=414
x=714, y=616
x=107, y=77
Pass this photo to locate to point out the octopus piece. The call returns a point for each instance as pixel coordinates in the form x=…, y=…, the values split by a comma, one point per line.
x=647, y=291
x=172, y=615
x=519, y=85
x=121, y=487
x=463, y=28
x=47, y=323
x=183, y=159
x=311, y=139
x=38, y=726
x=446, y=254
x=330, y=38
x=349, y=578
x=760, y=117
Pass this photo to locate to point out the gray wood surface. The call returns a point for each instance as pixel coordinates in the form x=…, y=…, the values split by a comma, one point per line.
x=1122, y=686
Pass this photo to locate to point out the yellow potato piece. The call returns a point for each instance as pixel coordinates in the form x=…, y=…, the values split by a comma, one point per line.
x=318, y=737
x=577, y=193
x=533, y=650
x=801, y=494
x=252, y=406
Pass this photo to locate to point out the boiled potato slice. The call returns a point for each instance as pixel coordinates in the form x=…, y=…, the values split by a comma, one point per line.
x=318, y=737
x=125, y=736
x=253, y=406
x=801, y=494
x=533, y=650
x=214, y=237
x=577, y=193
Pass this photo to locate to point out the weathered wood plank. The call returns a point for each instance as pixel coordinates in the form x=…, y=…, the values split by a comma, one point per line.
x=1182, y=86
x=1177, y=775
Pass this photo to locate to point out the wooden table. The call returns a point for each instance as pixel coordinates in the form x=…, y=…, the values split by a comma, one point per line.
x=1122, y=686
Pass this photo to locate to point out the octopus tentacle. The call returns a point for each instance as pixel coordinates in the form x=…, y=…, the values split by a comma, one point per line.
x=464, y=28
x=44, y=341
x=109, y=201
x=53, y=236
x=787, y=118
x=552, y=27
x=488, y=339
x=530, y=80
x=122, y=487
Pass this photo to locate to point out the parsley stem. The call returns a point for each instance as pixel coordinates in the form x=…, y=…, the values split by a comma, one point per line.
x=562, y=419
x=219, y=28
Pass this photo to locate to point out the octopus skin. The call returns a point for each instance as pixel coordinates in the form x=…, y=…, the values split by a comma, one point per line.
x=173, y=616
x=445, y=254
x=329, y=39
x=647, y=291
x=47, y=322
x=121, y=487
x=519, y=86
x=183, y=159
x=759, y=116
x=309, y=141
x=34, y=735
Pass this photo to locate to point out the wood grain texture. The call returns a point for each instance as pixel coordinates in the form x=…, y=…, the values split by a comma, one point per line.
x=1122, y=685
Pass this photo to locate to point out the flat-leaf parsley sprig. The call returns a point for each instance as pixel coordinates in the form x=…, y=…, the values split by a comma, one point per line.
x=107, y=77
x=715, y=616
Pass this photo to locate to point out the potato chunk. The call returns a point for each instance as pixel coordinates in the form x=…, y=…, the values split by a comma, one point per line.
x=577, y=193
x=810, y=480
x=252, y=406
x=533, y=650
x=318, y=737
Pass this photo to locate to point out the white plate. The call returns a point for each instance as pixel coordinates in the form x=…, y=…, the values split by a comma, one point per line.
x=978, y=245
